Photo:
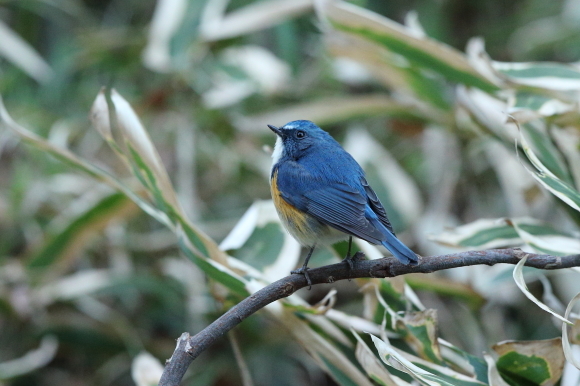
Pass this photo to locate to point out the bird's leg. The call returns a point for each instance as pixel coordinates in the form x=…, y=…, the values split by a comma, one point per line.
x=349, y=260
x=304, y=269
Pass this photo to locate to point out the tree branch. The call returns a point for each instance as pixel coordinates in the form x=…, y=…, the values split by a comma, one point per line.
x=188, y=348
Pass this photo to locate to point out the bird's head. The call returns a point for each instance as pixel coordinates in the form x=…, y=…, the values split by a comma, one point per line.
x=298, y=137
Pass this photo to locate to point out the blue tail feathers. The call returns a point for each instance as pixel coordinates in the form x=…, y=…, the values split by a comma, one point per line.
x=391, y=242
x=399, y=250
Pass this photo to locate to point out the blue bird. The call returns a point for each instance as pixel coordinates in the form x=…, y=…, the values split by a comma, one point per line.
x=321, y=194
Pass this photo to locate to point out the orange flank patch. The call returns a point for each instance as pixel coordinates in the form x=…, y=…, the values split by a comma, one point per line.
x=294, y=220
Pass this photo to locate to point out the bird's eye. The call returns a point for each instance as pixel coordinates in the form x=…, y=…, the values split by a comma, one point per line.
x=300, y=134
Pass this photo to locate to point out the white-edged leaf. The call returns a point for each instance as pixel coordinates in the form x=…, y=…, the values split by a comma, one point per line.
x=521, y=283
x=492, y=372
x=31, y=361
x=167, y=18
x=76, y=285
x=372, y=365
x=324, y=111
x=259, y=235
x=423, y=52
x=568, y=141
x=142, y=152
x=71, y=159
x=553, y=244
x=21, y=54
x=146, y=370
x=331, y=359
x=353, y=322
x=549, y=180
x=566, y=344
x=251, y=18
x=545, y=75
x=145, y=163
x=393, y=358
x=222, y=273
x=492, y=233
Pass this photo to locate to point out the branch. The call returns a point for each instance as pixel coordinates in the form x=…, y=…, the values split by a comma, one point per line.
x=189, y=348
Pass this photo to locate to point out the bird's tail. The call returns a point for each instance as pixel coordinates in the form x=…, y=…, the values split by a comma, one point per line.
x=392, y=243
x=399, y=250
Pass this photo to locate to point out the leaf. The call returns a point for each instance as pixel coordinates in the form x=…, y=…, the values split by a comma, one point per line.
x=167, y=18
x=521, y=283
x=495, y=378
x=447, y=287
x=251, y=18
x=566, y=341
x=397, y=191
x=420, y=332
x=72, y=160
x=138, y=151
x=31, y=361
x=336, y=364
x=145, y=160
x=540, y=362
x=549, y=180
x=146, y=370
x=219, y=272
x=493, y=233
x=326, y=111
x=74, y=286
x=470, y=364
x=386, y=68
x=543, y=75
x=372, y=365
x=553, y=244
x=438, y=375
x=21, y=54
x=259, y=240
x=568, y=141
x=423, y=52
x=74, y=237
x=547, y=153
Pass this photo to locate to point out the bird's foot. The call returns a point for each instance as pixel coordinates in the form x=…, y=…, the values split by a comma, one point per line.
x=351, y=261
x=303, y=271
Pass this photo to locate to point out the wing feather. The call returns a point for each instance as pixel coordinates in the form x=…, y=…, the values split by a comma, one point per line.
x=331, y=202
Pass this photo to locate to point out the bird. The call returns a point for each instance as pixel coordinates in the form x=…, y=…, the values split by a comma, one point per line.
x=322, y=196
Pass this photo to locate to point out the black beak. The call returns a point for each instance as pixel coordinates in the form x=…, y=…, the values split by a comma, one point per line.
x=276, y=130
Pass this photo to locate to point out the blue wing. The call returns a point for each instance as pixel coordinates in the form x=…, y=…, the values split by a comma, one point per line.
x=355, y=210
x=334, y=203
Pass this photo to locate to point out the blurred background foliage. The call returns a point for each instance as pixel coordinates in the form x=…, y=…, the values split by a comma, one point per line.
x=88, y=280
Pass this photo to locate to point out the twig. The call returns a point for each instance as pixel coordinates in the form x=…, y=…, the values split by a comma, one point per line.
x=188, y=348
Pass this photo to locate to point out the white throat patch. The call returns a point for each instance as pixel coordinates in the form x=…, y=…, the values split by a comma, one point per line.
x=278, y=151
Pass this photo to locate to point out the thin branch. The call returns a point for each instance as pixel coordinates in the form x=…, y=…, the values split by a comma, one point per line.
x=189, y=348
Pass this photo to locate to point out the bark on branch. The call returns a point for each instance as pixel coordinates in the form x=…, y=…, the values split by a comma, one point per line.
x=189, y=347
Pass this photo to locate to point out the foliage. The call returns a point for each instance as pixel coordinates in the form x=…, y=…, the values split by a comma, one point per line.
x=104, y=259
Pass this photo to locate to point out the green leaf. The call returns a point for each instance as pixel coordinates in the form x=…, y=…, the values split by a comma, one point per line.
x=551, y=244
x=420, y=332
x=420, y=51
x=547, y=178
x=425, y=372
x=74, y=236
x=547, y=152
x=493, y=233
x=213, y=269
x=537, y=362
x=372, y=365
x=543, y=75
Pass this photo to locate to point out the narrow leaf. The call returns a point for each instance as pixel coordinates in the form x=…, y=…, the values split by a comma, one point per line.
x=423, y=52
x=521, y=283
